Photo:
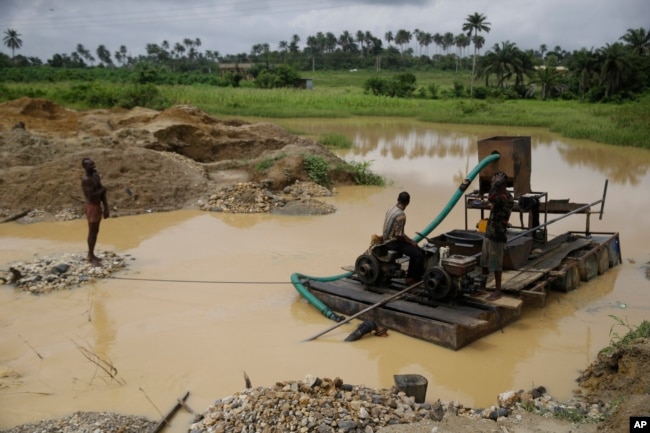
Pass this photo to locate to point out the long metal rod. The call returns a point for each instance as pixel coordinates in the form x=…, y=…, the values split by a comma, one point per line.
x=365, y=310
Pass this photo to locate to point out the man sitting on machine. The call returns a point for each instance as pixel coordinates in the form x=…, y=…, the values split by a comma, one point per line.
x=395, y=238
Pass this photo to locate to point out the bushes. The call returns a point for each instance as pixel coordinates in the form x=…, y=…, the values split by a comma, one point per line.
x=317, y=170
x=335, y=141
x=401, y=85
x=280, y=76
x=96, y=95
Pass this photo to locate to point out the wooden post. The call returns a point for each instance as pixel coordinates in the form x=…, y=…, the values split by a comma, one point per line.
x=165, y=421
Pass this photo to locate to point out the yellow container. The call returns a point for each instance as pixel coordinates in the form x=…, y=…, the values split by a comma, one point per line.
x=482, y=225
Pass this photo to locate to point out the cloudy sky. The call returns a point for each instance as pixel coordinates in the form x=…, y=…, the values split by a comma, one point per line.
x=234, y=26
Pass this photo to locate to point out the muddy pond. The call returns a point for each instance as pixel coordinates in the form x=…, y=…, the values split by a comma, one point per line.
x=207, y=296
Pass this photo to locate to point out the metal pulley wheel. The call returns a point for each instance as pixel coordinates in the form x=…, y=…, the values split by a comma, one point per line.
x=437, y=283
x=367, y=269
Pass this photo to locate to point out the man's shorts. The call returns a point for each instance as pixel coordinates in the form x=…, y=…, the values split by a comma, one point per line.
x=93, y=212
x=492, y=255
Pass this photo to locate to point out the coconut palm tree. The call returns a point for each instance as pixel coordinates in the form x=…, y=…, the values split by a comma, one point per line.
x=615, y=66
x=330, y=42
x=426, y=40
x=12, y=40
x=584, y=67
x=550, y=79
x=542, y=49
x=403, y=37
x=389, y=37
x=104, y=55
x=84, y=53
x=438, y=40
x=505, y=61
x=361, y=39
x=474, y=24
x=346, y=41
x=638, y=40
x=447, y=41
x=293, y=45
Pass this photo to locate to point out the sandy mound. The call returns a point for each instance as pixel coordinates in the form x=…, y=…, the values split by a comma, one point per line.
x=149, y=160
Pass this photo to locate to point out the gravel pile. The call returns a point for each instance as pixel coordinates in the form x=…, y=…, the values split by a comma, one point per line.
x=248, y=197
x=89, y=422
x=60, y=272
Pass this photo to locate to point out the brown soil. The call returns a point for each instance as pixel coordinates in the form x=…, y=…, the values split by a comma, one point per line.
x=148, y=160
x=153, y=161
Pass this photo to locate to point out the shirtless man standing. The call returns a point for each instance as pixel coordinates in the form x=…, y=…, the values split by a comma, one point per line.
x=95, y=195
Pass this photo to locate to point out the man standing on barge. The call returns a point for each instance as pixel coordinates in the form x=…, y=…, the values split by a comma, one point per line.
x=494, y=243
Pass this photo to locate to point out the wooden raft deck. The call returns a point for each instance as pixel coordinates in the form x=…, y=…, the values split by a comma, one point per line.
x=559, y=265
x=449, y=326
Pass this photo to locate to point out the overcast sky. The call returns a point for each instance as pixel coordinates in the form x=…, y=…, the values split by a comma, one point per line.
x=47, y=27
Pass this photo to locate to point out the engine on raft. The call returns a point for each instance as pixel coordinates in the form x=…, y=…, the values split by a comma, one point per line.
x=446, y=277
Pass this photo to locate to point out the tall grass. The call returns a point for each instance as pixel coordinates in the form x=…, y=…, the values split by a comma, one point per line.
x=340, y=94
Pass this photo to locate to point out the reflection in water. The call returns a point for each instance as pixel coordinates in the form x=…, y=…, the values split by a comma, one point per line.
x=104, y=329
x=208, y=294
x=625, y=166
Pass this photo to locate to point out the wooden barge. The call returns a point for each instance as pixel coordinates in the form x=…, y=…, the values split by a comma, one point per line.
x=562, y=265
x=448, y=308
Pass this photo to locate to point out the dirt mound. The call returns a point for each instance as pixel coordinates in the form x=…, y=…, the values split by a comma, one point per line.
x=619, y=377
x=149, y=160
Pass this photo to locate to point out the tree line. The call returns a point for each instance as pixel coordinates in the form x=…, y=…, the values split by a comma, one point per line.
x=616, y=71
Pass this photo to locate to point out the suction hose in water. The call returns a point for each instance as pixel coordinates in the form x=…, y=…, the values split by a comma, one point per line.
x=297, y=278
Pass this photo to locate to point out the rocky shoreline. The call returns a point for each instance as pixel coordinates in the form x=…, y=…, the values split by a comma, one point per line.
x=329, y=406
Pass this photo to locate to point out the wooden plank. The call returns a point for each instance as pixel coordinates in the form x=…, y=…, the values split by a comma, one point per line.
x=539, y=267
x=536, y=295
x=350, y=290
x=504, y=301
x=566, y=277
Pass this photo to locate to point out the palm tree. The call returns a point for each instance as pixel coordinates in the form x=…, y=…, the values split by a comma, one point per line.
x=426, y=40
x=84, y=53
x=615, y=65
x=403, y=37
x=542, y=49
x=104, y=55
x=330, y=42
x=361, y=38
x=346, y=41
x=475, y=23
x=179, y=49
x=447, y=41
x=312, y=49
x=293, y=45
x=505, y=61
x=121, y=55
x=638, y=40
x=550, y=79
x=389, y=37
x=584, y=67
x=461, y=41
x=12, y=40
x=438, y=40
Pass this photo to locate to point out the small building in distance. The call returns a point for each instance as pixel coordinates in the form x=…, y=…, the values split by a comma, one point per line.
x=242, y=69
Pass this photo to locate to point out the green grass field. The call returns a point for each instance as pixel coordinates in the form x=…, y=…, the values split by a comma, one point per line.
x=341, y=94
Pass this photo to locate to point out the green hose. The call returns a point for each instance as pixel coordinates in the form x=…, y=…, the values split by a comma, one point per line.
x=324, y=309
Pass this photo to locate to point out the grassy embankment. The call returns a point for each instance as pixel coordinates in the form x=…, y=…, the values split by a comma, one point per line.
x=340, y=94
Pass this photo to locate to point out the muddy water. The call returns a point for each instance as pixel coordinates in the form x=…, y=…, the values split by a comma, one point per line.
x=207, y=297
